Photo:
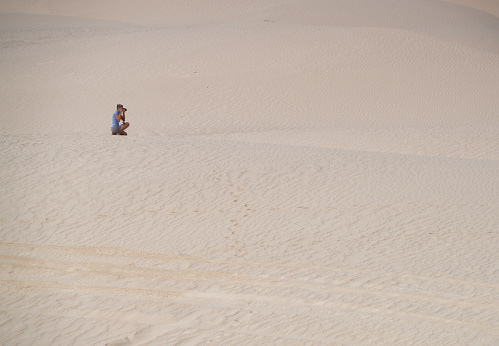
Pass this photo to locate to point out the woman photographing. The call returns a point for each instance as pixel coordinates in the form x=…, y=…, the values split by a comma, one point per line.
x=119, y=114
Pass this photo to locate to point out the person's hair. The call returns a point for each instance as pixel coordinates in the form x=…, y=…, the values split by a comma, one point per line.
x=119, y=105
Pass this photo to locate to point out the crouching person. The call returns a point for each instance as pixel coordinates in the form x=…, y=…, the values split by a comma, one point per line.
x=119, y=114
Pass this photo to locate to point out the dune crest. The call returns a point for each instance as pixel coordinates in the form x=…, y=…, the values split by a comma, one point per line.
x=489, y=6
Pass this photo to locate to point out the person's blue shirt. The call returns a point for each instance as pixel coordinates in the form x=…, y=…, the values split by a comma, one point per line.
x=115, y=122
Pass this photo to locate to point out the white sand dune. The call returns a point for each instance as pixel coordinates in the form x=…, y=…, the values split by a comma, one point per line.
x=489, y=6
x=296, y=172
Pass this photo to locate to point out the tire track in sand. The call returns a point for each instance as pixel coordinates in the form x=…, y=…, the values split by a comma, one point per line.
x=107, y=271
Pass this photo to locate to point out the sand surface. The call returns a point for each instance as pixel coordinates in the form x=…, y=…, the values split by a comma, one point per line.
x=296, y=172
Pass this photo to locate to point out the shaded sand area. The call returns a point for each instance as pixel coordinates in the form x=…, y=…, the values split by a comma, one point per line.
x=296, y=173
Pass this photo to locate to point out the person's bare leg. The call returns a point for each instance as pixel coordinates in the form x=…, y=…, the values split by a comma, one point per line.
x=122, y=129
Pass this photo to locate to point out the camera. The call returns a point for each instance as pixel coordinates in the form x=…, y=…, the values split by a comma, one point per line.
x=124, y=109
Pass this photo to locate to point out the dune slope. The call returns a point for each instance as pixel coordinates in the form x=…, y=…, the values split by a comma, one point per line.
x=296, y=172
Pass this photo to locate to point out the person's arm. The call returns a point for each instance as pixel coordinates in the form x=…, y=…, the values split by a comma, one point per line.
x=117, y=116
x=123, y=116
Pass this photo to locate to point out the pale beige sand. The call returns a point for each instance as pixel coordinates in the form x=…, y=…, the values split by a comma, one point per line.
x=297, y=173
x=490, y=6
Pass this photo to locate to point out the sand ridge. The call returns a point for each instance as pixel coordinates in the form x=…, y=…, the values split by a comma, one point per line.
x=489, y=6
